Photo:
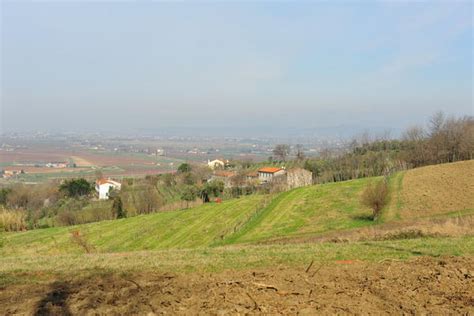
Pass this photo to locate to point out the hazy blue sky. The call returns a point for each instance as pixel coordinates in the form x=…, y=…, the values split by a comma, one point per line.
x=102, y=65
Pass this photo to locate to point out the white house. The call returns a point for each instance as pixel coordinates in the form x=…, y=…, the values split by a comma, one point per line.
x=104, y=186
x=216, y=163
x=57, y=164
x=268, y=173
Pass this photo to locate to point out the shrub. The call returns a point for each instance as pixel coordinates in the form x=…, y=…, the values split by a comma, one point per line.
x=213, y=188
x=18, y=197
x=117, y=208
x=66, y=218
x=76, y=187
x=184, y=167
x=80, y=240
x=189, y=194
x=375, y=196
x=3, y=195
x=168, y=179
x=81, y=212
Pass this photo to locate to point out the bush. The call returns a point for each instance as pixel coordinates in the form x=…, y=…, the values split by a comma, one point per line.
x=66, y=218
x=12, y=220
x=184, y=167
x=117, y=208
x=375, y=196
x=76, y=187
x=168, y=179
x=3, y=195
x=189, y=194
x=213, y=188
x=18, y=197
x=76, y=212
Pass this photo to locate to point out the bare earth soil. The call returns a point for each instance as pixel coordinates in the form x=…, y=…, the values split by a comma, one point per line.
x=439, y=286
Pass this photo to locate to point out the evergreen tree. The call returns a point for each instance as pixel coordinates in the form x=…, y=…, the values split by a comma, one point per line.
x=117, y=208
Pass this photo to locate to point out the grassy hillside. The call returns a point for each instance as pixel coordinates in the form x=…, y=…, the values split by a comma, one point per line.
x=200, y=226
x=307, y=211
x=424, y=192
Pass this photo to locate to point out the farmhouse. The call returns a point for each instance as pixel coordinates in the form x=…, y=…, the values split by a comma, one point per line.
x=269, y=173
x=104, y=186
x=252, y=176
x=298, y=177
x=216, y=164
x=224, y=176
x=57, y=164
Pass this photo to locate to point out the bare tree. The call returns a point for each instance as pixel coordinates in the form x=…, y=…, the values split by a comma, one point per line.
x=414, y=134
x=281, y=151
x=436, y=123
x=240, y=179
x=149, y=200
x=466, y=143
x=415, y=137
x=300, y=152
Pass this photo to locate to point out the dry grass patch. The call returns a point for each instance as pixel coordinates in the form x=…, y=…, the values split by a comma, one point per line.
x=12, y=221
x=438, y=189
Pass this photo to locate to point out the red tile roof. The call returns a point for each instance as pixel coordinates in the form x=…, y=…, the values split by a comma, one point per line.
x=101, y=181
x=269, y=169
x=104, y=181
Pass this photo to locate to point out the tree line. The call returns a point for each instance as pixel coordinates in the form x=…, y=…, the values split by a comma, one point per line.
x=443, y=140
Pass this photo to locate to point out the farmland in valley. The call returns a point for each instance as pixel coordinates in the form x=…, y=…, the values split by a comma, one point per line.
x=32, y=161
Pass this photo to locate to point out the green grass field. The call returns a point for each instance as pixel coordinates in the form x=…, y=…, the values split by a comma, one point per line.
x=304, y=211
x=308, y=211
x=197, y=227
x=35, y=268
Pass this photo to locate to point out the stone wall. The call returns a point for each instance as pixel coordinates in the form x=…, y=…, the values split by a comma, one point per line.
x=296, y=178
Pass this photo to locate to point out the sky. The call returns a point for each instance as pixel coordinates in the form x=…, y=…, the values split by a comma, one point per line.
x=111, y=65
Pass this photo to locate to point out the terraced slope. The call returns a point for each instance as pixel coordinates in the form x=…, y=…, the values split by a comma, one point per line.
x=308, y=211
x=192, y=228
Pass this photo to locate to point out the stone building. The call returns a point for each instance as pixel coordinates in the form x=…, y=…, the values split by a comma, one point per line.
x=298, y=177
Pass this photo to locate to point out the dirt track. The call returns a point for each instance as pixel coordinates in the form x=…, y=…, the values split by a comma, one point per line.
x=426, y=285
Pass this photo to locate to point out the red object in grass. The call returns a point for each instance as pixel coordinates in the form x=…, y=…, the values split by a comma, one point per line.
x=218, y=200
